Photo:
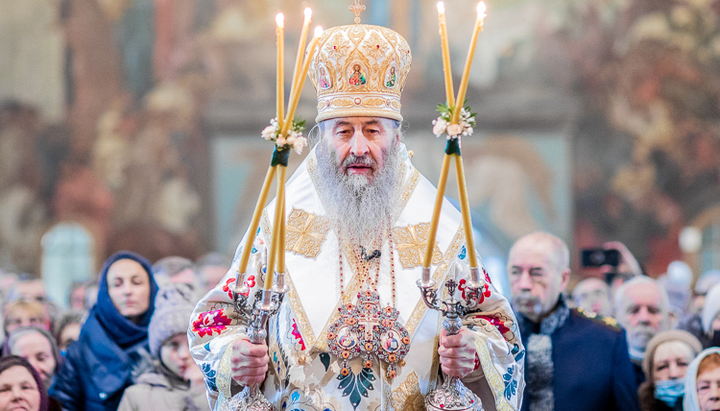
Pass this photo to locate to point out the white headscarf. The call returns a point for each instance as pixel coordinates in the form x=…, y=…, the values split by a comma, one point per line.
x=711, y=308
x=690, y=402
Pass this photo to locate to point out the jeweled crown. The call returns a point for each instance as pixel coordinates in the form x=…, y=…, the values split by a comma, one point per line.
x=360, y=70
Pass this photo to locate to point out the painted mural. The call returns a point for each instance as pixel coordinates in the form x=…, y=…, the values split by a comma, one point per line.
x=139, y=119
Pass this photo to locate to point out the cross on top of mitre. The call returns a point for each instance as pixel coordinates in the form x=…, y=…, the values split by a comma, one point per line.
x=357, y=8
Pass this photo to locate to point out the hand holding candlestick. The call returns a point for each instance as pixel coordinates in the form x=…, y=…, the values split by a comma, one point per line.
x=452, y=395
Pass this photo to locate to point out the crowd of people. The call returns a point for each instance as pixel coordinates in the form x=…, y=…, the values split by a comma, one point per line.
x=623, y=345
x=121, y=345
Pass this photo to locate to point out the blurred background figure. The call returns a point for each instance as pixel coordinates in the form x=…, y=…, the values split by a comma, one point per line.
x=67, y=329
x=702, y=382
x=703, y=284
x=711, y=316
x=98, y=366
x=667, y=357
x=175, y=382
x=24, y=314
x=38, y=347
x=641, y=307
x=593, y=295
x=211, y=268
x=176, y=270
x=78, y=295
x=677, y=282
x=21, y=387
x=28, y=288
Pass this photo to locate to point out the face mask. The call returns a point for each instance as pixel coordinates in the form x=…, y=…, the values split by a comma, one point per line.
x=669, y=391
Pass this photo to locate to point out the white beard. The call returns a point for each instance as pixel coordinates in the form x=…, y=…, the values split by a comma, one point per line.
x=360, y=210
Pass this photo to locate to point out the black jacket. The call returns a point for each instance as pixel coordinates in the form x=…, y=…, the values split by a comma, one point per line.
x=592, y=369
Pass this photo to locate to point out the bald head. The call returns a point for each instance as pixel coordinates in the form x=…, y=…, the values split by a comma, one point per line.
x=538, y=268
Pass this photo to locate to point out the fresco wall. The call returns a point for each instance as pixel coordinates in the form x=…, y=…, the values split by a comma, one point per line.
x=139, y=119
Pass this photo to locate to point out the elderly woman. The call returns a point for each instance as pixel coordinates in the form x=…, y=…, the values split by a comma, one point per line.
x=667, y=357
x=21, y=387
x=22, y=313
x=38, y=347
x=702, y=382
x=113, y=340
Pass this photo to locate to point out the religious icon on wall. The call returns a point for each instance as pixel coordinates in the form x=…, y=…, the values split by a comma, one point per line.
x=390, y=77
x=323, y=78
x=357, y=77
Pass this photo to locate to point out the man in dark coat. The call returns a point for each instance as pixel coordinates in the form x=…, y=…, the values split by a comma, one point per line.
x=574, y=360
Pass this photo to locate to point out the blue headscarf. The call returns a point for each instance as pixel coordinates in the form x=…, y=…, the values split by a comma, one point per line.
x=121, y=330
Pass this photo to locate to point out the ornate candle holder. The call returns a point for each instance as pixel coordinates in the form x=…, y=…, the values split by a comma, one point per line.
x=452, y=395
x=267, y=303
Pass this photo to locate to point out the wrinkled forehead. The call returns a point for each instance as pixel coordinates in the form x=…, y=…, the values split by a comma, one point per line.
x=643, y=294
x=360, y=121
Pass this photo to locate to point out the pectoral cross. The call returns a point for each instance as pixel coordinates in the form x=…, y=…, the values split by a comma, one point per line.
x=368, y=321
x=357, y=8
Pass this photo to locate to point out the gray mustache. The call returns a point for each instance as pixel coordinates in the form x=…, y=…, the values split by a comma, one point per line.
x=364, y=160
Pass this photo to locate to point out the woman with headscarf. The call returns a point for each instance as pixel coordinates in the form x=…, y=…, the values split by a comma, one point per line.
x=114, y=339
x=702, y=382
x=21, y=387
x=667, y=357
x=38, y=347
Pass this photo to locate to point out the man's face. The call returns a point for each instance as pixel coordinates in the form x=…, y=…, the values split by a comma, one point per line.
x=32, y=291
x=641, y=313
x=535, y=280
x=592, y=295
x=359, y=145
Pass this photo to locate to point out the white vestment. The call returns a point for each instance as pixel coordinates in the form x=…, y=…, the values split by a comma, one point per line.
x=304, y=374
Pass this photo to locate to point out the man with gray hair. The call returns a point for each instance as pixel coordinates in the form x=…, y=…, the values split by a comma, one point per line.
x=353, y=332
x=589, y=352
x=642, y=308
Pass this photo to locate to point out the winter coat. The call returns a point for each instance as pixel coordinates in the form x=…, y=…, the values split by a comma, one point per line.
x=154, y=392
x=98, y=367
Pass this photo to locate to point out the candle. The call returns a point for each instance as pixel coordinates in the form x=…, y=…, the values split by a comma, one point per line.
x=280, y=31
x=468, y=62
x=465, y=209
x=449, y=93
x=281, y=245
x=297, y=88
x=276, y=240
x=254, y=223
x=435, y=217
x=301, y=50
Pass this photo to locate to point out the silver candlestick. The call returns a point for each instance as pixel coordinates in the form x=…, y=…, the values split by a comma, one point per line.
x=452, y=395
x=267, y=303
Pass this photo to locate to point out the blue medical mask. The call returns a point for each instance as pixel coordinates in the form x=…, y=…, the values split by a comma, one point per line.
x=669, y=391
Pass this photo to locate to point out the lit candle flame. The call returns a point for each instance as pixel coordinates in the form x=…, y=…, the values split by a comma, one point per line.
x=280, y=20
x=308, y=13
x=481, y=9
x=441, y=7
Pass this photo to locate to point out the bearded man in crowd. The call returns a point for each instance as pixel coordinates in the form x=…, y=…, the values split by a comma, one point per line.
x=575, y=361
x=357, y=215
x=643, y=309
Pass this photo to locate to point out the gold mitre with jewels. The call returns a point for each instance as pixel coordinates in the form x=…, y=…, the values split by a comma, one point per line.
x=360, y=70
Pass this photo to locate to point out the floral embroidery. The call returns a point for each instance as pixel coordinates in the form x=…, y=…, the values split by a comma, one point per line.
x=296, y=333
x=226, y=287
x=498, y=323
x=356, y=386
x=209, y=376
x=478, y=364
x=510, y=382
x=209, y=322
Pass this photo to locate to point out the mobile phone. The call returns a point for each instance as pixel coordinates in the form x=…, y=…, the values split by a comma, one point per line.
x=598, y=257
